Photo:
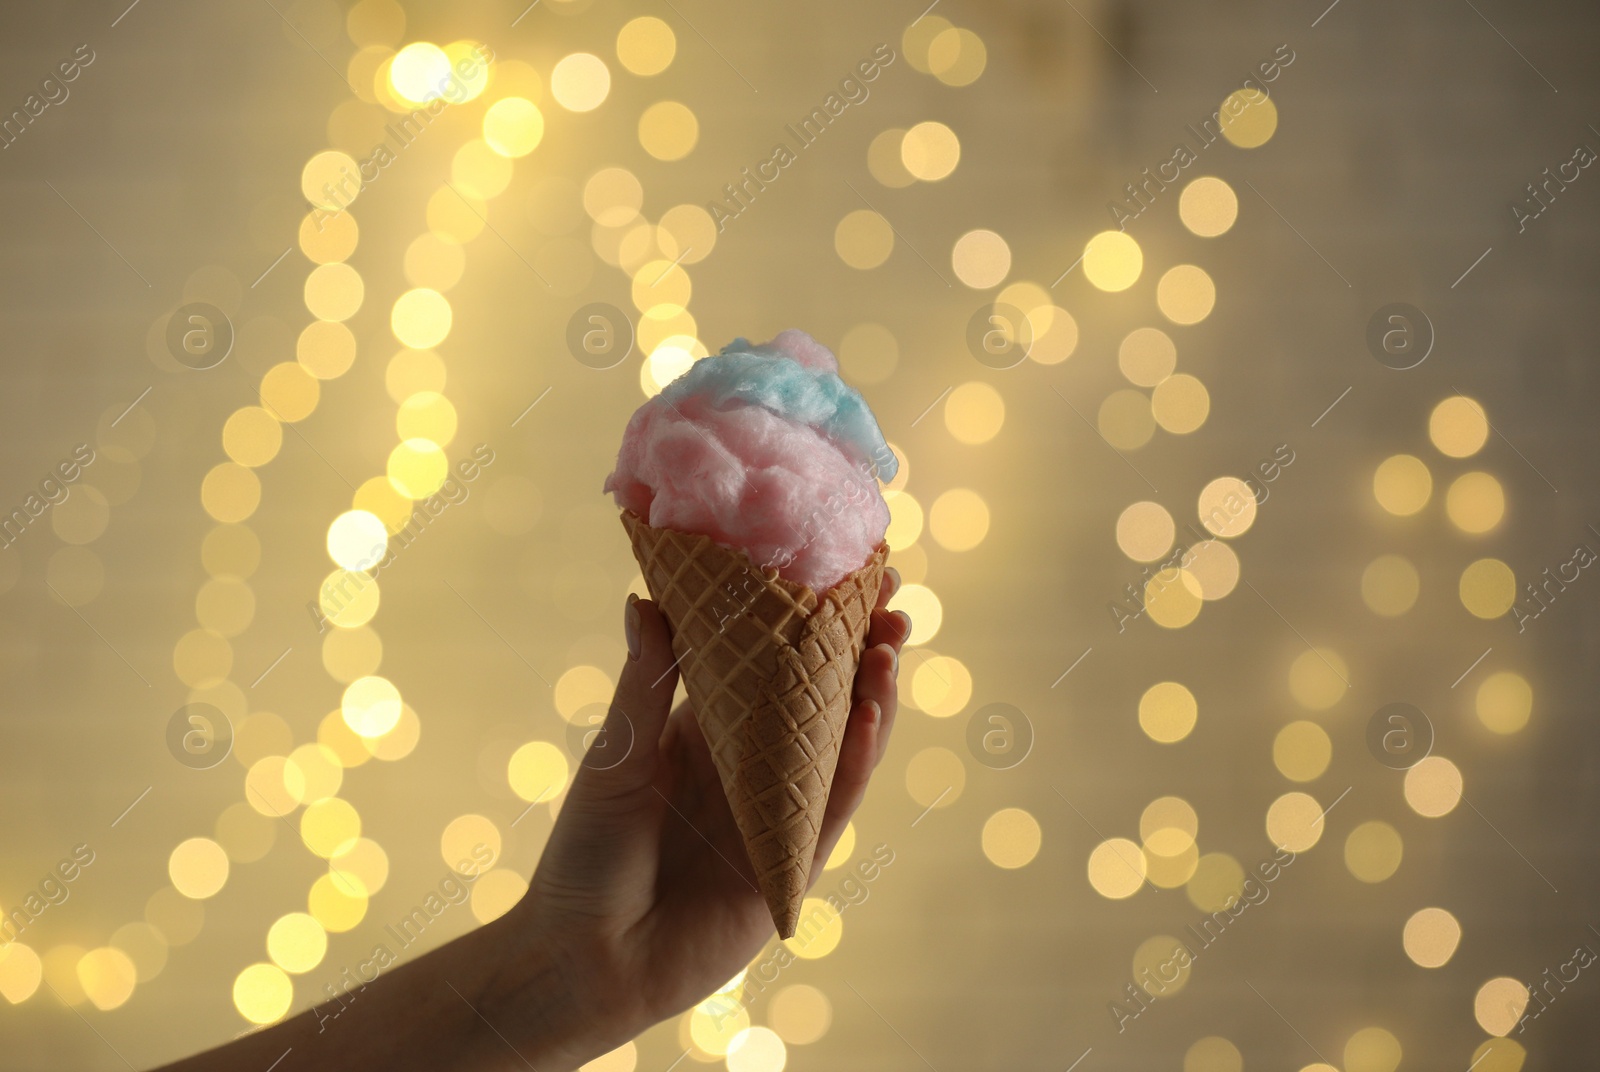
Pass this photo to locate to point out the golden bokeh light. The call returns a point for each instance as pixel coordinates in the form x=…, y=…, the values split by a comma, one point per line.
x=1145, y=531
x=513, y=127
x=357, y=540
x=1208, y=206
x=1318, y=678
x=1217, y=882
x=417, y=468
x=312, y=773
x=470, y=843
x=981, y=259
x=1302, y=751
x=1185, y=294
x=974, y=412
x=495, y=893
x=334, y=291
x=885, y=162
x=1011, y=838
x=1373, y=850
x=198, y=868
x=1168, y=712
x=436, y=263
x=419, y=72
x=1402, y=484
x=646, y=45
x=478, y=170
x=421, y=318
x=935, y=777
x=1168, y=825
x=1172, y=598
x=426, y=415
x=1499, y=1004
x=580, y=686
x=1488, y=588
x=668, y=130
x=230, y=492
x=1214, y=568
x=296, y=942
x=338, y=901
x=330, y=180
x=1112, y=260
x=326, y=349
x=1433, y=786
x=362, y=861
x=1162, y=966
x=1372, y=1049
x=1248, y=118
x=957, y=57
x=1227, y=506
x=262, y=993
x=538, y=772
x=863, y=239
x=330, y=826
x=941, y=686
x=348, y=598
x=1430, y=937
x=927, y=613
x=930, y=151
x=1180, y=403
x=959, y=519
x=1213, y=1054
x=21, y=972
x=800, y=1014
x=371, y=706
x=1117, y=868
x=1147, y=356
x=1294, y=821
x=1504, y=702
x=580, y=82
x=756, y=1049
x=1390, y=585
x=107, y=976
x=1458, y=427
x=1475, y=502
x=325, y=239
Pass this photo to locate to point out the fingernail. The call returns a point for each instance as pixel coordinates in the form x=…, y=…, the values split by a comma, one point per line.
x=896, y=575
x=874, y=712
x=630, y=625
x=894, y=659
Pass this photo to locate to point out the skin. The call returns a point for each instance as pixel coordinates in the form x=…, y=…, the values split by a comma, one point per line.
x=642, y=903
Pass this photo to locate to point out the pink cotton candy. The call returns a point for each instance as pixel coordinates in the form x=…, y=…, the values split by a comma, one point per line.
x=754, y=481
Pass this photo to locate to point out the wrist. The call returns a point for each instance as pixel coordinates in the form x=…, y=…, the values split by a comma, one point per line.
x=540, y=995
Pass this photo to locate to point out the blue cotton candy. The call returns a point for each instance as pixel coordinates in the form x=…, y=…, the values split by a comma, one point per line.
x=796, y=378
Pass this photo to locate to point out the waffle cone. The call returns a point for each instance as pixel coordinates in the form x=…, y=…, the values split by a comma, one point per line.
x=769, y=667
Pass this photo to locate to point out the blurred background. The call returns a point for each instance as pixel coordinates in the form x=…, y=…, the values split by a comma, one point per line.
x=1237, y=358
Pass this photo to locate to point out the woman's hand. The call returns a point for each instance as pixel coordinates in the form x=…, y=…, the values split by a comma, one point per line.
x=644, y=901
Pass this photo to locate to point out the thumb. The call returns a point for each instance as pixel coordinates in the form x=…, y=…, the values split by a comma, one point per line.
x=622, y=757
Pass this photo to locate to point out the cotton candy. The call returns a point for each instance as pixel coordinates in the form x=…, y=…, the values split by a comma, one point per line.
x=764, y=449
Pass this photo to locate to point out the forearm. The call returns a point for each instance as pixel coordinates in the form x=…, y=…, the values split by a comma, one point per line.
x=466, y=1005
